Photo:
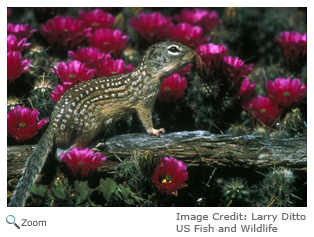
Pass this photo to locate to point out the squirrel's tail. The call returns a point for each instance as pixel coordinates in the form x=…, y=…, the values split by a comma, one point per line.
x=32, y=168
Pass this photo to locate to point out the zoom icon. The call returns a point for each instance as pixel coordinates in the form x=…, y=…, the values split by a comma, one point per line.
x=11, y=220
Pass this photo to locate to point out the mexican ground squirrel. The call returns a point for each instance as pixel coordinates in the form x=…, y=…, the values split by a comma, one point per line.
x=92, y=106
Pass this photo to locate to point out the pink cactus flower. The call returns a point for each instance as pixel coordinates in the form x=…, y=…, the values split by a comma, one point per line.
x=22, y=123
x=287, y=93
x=64, y=32
x=245, y=93
x=90, y=56
x=151, y=27
x=293, y=47
x=170, y=176
x=20, y=31
x=83, y=162
x=111, y=67
x=234, y=71
x=13, y=44
x=58, y=92
x=263, y=110
x=206, y=19
x=186, y=34
x=97, y=19
x=172, y=88
x=15, y=65
x=183, y=71
x=108, y=41
x=210, y=56
x=72, y=72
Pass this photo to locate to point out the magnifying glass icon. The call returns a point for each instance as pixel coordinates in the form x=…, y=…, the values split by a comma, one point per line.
x=11, y=220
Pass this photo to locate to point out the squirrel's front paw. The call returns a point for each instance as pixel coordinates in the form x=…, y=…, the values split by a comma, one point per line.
x=156, y=131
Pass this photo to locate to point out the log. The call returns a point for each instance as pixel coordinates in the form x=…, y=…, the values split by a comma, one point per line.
x=215, y=150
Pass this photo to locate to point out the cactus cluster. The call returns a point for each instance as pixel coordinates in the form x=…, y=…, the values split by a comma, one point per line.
x=235, y=191
x=40, y=80
x=207, y=103
x=39, y=97
x=213, y=94
x=148, y=162
x=129, y=172
x=251, y=31
x=276, y=189
x=294, y=123
x=12, y=102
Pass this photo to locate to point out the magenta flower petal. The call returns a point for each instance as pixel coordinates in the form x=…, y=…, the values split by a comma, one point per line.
x=170, y=176
x=83, y=162
x=245, y=93
x=42, y=122
x=64, y=32
x=209, y=57
x=172, y=89
x=16, y=45
x=186, y=34
x=72, y=72
x=263, y=110
x=33, y=116
x=108, y=41
x=234, y=71
x=15, y=65
x=90, y=56
x=293, y=47
x=97, y=19
x=58, y=92
x=183, y=71
x=22, y=123
x=151, y=27
x=20, y=31
x=110, y=67
x=206, y=19
x=287, y=93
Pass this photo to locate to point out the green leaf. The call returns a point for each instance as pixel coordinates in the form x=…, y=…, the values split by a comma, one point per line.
x=60, y=192
x=39, y=190
x=125, y=192
x=107, y=187
x=82, y=191
x=129, y=201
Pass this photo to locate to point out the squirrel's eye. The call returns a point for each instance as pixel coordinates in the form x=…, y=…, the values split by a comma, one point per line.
x=173, y=49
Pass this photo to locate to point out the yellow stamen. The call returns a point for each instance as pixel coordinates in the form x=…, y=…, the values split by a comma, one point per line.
x=165, y=181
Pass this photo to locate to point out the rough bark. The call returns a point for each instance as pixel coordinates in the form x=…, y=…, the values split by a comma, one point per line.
x=221, y=151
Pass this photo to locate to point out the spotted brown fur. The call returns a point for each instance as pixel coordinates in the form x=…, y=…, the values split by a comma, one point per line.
x=89, y=107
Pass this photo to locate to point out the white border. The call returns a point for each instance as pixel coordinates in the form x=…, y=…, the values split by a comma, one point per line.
x=145, y=221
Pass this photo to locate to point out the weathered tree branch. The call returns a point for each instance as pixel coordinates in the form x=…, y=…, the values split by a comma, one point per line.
x=221, y=151
x=216, y=150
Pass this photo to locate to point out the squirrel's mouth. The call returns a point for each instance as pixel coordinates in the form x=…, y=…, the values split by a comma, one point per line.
x=191, y=60
x=190, y=57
